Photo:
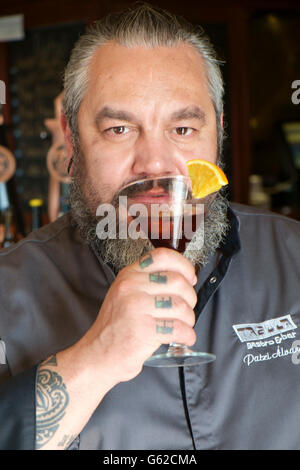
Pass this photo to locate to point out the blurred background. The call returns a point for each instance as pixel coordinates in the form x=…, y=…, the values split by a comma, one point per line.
x=259, y=42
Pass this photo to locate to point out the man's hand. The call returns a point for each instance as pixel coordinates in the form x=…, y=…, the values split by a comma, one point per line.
x=131, y=323
x=150, y=303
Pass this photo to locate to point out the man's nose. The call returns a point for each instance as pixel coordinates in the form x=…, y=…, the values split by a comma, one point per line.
x=153, y=157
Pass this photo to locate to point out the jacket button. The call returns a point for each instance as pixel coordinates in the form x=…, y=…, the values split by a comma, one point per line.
x=213, y=279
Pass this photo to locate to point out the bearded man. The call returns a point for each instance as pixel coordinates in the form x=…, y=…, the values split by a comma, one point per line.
x=143, y=95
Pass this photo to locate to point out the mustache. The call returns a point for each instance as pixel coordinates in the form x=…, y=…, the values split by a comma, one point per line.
x=134, y=189
x=157, y=187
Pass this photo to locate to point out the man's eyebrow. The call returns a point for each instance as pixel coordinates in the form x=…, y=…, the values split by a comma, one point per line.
x=109, y=113
x=190, y=112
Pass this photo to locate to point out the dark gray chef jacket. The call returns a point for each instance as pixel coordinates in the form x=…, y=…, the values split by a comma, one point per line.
x=248, y=314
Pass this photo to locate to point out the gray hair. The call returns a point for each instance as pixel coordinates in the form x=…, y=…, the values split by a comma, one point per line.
x=141, y=25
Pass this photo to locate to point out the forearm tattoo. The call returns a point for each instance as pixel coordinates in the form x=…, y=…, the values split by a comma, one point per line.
x=51, y=361
x=158, y=278
x=51, y=402
x=66, y=441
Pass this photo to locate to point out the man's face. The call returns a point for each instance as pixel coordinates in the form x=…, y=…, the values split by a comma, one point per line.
x=146, y=113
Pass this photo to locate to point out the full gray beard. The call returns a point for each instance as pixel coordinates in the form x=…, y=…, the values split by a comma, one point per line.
x=121, y=252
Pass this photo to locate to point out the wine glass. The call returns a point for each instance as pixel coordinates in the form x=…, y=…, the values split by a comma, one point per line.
x=164, y=211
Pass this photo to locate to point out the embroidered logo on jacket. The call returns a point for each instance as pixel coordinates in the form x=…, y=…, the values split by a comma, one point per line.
x=266, y=329
x=268, y=340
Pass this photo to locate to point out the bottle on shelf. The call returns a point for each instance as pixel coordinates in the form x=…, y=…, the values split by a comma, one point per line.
x=257, y=195
x=9, y=229
x=7, y=223
x=36, y=206
x=4, y=204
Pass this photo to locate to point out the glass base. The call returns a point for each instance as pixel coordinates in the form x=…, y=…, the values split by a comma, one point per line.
x=179, y=356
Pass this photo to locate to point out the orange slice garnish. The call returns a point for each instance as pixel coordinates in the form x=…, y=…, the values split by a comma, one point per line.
x=206, y=177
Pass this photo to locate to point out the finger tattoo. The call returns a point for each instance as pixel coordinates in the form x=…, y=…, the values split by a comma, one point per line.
x=158, y=278
x=146, y=261
x=164, y=327
x=161, y=302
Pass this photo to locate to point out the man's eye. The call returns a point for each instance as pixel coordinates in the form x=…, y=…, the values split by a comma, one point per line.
x=183, y=130
x=118, y=130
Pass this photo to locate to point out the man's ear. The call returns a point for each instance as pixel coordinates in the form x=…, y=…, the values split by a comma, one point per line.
x=221, y=120
x=68, y=140
x=67, y=134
